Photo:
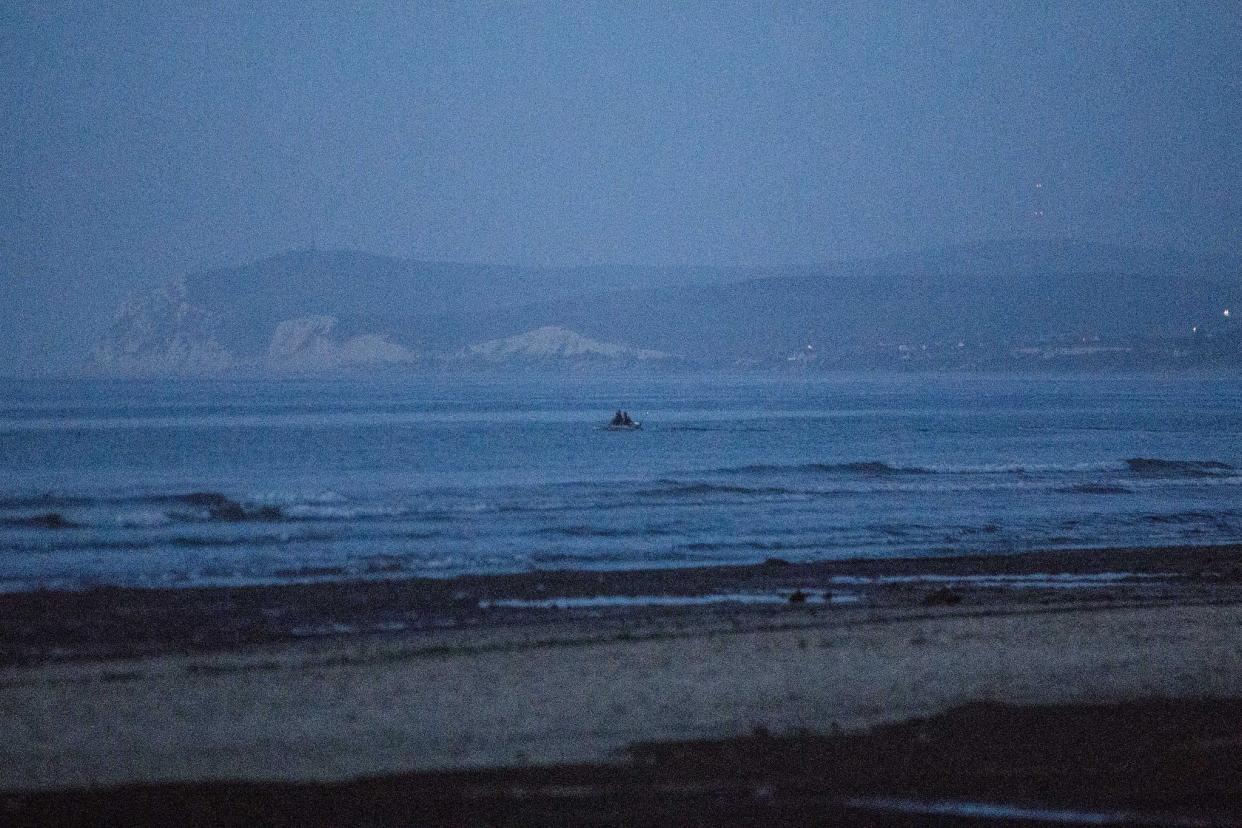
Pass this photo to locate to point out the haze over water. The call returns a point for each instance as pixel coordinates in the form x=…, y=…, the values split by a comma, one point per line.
x=251, y=482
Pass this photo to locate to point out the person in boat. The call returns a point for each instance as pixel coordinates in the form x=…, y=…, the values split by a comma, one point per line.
x=618, y=419
x=625, y=419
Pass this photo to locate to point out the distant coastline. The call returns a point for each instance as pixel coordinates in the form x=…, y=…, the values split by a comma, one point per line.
x=1021, y=305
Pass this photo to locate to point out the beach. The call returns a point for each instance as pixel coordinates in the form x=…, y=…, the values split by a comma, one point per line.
x=327, y=683
x=626, y=415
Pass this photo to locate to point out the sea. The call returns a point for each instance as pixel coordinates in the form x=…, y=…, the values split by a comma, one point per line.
x=213, y=483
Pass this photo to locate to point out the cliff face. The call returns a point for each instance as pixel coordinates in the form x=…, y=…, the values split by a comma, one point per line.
x=162, y=333
x=308, y=344
x=552, y=343
x=299, y=315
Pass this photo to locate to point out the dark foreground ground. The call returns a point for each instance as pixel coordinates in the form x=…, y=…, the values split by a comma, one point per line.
x=1114, y=679
x=1156, y=762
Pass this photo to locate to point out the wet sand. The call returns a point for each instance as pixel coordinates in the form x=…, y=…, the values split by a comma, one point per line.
x=49, y=626
x=329, y=683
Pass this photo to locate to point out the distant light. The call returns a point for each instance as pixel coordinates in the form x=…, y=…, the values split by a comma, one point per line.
x=1194, y=329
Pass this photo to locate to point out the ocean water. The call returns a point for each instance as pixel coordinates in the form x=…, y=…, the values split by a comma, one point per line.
x=194, y=483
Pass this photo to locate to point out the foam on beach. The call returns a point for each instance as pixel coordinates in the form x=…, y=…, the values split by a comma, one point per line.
x=627, y=601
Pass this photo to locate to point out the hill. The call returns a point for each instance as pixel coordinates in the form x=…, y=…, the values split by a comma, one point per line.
x=971, y=305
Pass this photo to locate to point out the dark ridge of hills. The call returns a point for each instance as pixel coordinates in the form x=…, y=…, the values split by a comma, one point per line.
x=995, y=295
x=372, y=293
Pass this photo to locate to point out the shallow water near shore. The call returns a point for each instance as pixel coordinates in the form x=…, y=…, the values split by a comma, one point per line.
x=212, y=483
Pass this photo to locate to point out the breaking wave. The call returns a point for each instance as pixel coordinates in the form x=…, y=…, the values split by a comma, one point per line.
x=216, y=506
x=174, y=542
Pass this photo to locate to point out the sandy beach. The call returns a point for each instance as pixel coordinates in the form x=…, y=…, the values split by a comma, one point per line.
x=628, y=415
x=539, y=670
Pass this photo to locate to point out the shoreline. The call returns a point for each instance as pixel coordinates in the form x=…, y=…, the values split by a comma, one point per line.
x=47, y=626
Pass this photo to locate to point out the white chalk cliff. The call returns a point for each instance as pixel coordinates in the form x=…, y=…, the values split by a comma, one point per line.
x=308, y=344
x=552, y=343
x=160, y=332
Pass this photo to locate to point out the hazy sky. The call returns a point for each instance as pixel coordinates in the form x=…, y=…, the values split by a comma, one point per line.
x=143, y=139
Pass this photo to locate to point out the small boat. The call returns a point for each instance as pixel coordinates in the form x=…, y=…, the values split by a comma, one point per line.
x=621, y=422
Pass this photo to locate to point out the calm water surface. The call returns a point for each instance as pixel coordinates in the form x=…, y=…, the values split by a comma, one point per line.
x=260, y=482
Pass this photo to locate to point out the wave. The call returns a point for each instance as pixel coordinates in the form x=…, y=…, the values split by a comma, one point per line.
x=1222, y=519
x=1023, y=469
x=757, y=545
x=1095, y=489
x=45, y=520
x=217, y=506
x=880, y=468
x=60, y=500
x=677, y=488
x=1157, y=467
x=1138, y=466
x=316, y=512
x=155, y=543
x=595, y=559
x=155, y=510
x=146, y=519
x=150, y=544
x=583, y=531
x=871, y=468
x=46, y=500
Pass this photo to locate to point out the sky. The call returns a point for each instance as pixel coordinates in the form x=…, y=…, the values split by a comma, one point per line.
x=144, y=140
